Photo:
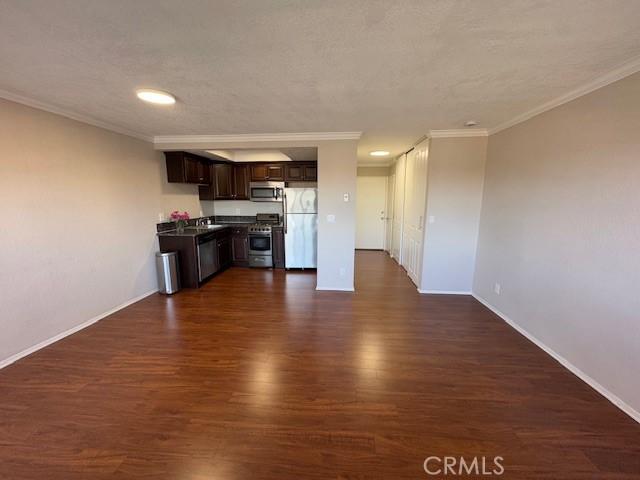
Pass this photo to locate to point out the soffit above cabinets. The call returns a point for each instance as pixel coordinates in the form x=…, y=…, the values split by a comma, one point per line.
x=285, y=154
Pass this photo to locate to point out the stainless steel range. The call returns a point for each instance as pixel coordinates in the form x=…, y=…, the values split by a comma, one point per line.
x=260, y=240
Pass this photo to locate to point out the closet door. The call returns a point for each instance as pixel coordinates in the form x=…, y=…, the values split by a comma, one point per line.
x=398, y=210
x=388, y=221
x=414, y=211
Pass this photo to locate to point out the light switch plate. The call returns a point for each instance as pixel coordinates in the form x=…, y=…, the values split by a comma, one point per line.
x=432, y=219
x=331, y=218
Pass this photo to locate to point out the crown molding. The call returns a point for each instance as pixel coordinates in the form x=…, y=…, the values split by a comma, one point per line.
x=256, y=137
x=467, y=132
x=624, y=70
x=47, y=107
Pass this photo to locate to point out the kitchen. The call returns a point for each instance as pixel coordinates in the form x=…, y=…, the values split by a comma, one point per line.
x=259, y=210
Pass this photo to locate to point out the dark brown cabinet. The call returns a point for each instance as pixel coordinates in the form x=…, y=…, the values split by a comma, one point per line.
x=229, y=182
x=240, y=246
x=311, y=172
x=184, y=167
x=241, y=182
x=223, y=181
x=188, y=247
x=277, y=239
x=301, y=172
x=225, y=254
x=263, y=172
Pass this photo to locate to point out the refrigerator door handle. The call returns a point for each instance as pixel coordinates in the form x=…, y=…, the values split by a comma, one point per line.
x=284, y=209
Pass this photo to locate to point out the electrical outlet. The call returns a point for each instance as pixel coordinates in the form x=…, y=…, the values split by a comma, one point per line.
x=346, y=197
x=161, y=217
x=432, y=219
x=497, y=288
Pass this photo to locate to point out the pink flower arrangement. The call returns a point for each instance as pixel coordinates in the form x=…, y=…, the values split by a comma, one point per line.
x=181, y=219
x=176, y=215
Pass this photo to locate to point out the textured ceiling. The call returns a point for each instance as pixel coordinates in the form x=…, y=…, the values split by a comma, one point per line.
x=391, y=69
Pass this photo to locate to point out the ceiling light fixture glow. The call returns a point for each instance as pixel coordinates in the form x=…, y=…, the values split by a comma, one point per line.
x=155, y=96
x=379, y=153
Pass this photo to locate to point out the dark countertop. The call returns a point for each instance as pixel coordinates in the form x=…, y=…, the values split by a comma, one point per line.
x=193, y=231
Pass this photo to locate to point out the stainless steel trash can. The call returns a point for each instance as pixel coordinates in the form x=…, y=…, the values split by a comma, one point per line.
x=168, y=273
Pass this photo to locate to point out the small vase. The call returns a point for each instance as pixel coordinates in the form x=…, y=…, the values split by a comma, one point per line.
x=180, y=224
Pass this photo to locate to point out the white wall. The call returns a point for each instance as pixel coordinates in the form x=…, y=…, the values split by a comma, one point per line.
x=77, y=234
x=560, y=231
x=454, y=198
x=337, y=167
x=240, y=207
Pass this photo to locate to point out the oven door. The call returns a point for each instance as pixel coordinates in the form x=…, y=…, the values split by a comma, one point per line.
x=265, y=192
x=259, y=244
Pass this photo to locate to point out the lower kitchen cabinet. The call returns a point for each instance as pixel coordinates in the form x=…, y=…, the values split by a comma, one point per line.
x=199, y=256
x=277, y=239
x=225, y=254
x=240, y=246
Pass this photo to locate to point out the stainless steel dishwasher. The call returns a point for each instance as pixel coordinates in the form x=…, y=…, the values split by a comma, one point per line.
x=207, y=257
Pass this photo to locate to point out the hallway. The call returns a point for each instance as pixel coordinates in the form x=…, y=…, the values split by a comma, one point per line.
x=259, y=376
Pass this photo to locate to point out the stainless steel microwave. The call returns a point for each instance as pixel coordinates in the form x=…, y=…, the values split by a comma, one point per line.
x=266, y=191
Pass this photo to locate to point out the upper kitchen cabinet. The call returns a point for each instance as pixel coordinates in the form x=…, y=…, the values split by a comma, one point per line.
x=267, y=172
x=301, y=172
x=241, y=182
x=184, y=167
x=222, y=181
x=228, y=182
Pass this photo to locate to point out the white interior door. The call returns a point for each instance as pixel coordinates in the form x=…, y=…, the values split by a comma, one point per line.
x=388, y=224
x=414, y=210
x=398, y=209
x=371, y=200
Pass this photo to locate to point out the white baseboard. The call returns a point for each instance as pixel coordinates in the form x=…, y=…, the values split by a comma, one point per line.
x=626, y=408
x=445, y=292
x=335, y=289
x=71, y=331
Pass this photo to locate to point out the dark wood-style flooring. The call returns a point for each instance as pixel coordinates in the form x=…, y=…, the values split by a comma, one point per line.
x=259, y=376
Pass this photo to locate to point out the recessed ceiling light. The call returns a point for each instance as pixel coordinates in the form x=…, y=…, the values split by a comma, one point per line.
x=379, y=153
x=470, y=123
x=155, y=96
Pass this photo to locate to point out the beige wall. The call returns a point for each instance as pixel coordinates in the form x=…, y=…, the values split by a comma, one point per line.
x=240, y=207
x=374, y=171
x=560, y=231
x=454, y=198
x=77, y=234
x=337, y=169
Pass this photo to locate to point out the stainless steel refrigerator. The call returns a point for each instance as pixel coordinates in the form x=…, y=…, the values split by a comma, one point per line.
x=300, y=227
